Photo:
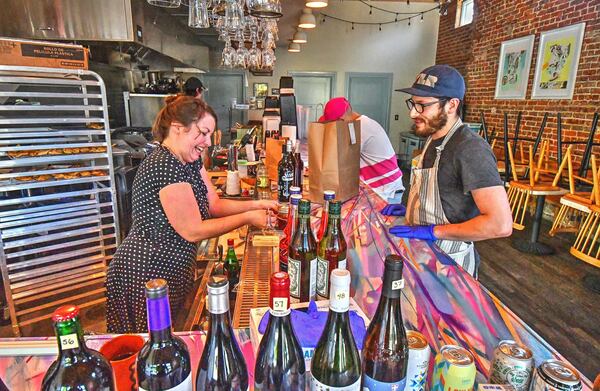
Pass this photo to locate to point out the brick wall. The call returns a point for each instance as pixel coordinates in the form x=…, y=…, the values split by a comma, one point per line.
x=475, y=49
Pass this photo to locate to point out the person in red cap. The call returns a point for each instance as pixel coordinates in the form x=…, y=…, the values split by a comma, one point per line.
x=378, y=162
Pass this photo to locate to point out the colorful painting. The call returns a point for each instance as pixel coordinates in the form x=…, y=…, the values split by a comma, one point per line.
x=558, y=58
x=513, y=68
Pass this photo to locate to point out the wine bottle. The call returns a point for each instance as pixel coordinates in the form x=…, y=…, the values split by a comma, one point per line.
x=222, y=365
x=232, y=265
x=285, y=172
x=331, y=252
x=288, y=232
x=279, y=361
x=336, y=362
x=302, y=258
x=164, y=361
x=385, y=349
x=328, y=195
x=77, y=366
x=298, y=167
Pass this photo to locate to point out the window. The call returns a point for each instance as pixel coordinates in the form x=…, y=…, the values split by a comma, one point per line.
x=464, y=12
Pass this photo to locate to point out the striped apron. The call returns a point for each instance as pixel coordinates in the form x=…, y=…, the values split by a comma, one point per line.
x=425, y=205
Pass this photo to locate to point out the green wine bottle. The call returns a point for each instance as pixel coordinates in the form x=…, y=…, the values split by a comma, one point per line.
x=302, y=258
x=336, y=362
x=332, y=250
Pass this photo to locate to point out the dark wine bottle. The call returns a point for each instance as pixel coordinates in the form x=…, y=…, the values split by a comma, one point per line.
x=222, y=366
x=164, y=361
x=328, y=196
x=302, y=258
x=279, y=361
x=332, y=248
x=77, y=366
x=336, y=362
x=298, y=167
x=385, y=349
x=285, y=172
x=288, y=232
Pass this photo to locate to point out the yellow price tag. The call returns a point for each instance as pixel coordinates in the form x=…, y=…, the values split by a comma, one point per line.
x=69, y=341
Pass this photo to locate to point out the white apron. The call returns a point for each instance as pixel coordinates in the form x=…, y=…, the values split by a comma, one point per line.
x=425, y=206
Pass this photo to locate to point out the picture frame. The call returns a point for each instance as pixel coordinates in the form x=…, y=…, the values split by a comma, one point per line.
x=261, y=90
x=557, y=62
x=513, y=68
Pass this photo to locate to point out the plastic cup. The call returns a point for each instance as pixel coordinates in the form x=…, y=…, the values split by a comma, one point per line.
x=122, y=352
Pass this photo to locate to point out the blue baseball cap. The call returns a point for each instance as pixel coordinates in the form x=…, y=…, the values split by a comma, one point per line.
x=438, y=81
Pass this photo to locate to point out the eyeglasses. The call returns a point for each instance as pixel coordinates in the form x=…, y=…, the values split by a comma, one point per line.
x=420, y=107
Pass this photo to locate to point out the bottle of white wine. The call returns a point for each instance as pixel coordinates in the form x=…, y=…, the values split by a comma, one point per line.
x=336, y=362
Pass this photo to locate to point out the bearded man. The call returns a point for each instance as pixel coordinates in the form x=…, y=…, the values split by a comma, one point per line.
x=456, y=195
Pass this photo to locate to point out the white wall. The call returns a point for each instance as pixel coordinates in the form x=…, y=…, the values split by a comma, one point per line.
x=334, y=47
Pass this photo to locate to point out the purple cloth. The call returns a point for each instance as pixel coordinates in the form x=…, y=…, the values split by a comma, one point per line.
x=309, y=325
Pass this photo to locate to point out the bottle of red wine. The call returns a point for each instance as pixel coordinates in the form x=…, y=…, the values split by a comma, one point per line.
x=285, y=172
x=77, y=366
x=279, y=361
x=385, y=349
x=222, y=365
x=332, y=248
x=336, y=362
x=164, y=361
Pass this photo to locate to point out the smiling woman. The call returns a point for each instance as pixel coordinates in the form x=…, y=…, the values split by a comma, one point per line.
x=174, y=207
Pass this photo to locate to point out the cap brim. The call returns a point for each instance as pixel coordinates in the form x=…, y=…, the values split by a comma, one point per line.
x=418, y=92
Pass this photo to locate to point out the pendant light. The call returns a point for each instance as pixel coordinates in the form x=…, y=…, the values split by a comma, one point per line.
x=300, y=37
x=316, y=3
x=294, y=47
x=307, y=19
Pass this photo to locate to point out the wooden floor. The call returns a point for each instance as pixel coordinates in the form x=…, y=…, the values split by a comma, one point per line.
x=549, y=294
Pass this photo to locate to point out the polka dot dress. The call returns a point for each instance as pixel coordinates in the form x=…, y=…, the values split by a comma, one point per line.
x=152, y=249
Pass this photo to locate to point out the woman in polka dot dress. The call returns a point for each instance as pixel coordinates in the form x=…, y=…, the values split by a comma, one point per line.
x=174, y=207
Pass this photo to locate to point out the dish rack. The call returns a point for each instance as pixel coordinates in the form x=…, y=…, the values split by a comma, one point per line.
x=58, y=220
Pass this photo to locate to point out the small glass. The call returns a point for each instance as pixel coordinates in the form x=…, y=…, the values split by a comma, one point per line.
x=198, y=15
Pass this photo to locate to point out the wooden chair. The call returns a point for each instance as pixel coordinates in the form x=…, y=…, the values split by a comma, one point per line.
x=521, y=193
x=574, y=206
x=586, y=246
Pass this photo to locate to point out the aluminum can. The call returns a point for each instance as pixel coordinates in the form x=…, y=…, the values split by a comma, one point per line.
x=512, y=364
x=419, y=354
x=454, y=370
x=554, y=375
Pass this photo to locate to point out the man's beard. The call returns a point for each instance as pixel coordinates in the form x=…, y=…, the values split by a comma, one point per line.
x=432, y=125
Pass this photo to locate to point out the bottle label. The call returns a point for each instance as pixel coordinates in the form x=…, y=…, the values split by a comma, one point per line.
x=313, y=279
x=342, y=264
x=339, y=299
x=322, y=277
x=185, y=385
x=370, y=384
x=294, y=270
x=69, y=341
x=280, y=307
x=398, y=284
x=318, y=386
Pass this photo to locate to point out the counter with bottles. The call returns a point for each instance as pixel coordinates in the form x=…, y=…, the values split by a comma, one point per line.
x=439, y=299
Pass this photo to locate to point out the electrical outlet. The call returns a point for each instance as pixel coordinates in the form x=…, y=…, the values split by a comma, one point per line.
x=396, y=117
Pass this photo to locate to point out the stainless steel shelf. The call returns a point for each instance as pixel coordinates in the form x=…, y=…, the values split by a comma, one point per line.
x=58, y=222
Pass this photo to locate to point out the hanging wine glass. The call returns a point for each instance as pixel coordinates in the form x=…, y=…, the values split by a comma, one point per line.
x=268, y=59
x=198, y=14
x=228, y=55
x=241, y=54
x=234, y=15
x=254, y=56
x=165, y=3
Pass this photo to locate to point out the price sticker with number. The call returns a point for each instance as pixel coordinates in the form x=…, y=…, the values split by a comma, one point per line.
x=398, y=284
x=69, y=341
x=280, y=306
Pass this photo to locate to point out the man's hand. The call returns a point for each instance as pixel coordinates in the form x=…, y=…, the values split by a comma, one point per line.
x=394, y=210
x=424, y=232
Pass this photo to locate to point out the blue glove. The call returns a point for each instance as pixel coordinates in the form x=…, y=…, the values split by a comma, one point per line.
x=424, y=232
x=394, y=210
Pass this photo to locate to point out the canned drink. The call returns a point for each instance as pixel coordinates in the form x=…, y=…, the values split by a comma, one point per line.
x=454, y=369
x=512, y=364
x=554, y=375
x=419, y=354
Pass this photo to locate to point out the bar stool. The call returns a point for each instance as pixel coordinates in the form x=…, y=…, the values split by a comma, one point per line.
x=586, y=246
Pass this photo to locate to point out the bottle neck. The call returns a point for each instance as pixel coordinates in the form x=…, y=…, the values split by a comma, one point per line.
x=303, y=223
x=159, y=318
x=392, y=284
x=219, y=324
x=70, y=338
x=333, y=225
x=231, y=254
x=292, y=215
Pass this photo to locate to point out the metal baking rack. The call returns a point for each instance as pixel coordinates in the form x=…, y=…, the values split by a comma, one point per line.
x=58, y=221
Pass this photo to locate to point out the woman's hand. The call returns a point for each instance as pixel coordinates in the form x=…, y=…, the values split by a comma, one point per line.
x=266, y=204
x=258, y=218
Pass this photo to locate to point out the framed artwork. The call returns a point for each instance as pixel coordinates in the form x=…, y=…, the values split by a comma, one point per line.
x=558, y=58
x=261, y=90
x=513, y=68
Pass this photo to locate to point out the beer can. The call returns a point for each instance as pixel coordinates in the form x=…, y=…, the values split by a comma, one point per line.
x=419, y=354
x=554, y=375
x=512, y=364
x=454, y=369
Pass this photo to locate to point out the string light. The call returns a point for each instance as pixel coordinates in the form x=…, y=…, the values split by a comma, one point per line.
x=407, y=2
x=380, y=27
x=395, y=20
x=352, y=26
x=409, y=21
x=370, y=10
x=421, y=18
x=441, y=7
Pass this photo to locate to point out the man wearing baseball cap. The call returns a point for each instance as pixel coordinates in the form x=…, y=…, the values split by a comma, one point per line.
x=456, y=195
x=378, y=163
x=194, y=87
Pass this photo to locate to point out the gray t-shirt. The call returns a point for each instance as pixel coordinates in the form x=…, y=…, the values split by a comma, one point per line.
x=467, y=163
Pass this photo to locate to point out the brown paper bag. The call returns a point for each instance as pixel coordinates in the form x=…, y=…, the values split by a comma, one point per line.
x=333, y=159
x=273, y=156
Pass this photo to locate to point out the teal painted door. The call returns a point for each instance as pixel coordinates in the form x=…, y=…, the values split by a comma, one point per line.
x=313, y=91
x=222, y=88
x=370, y=94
